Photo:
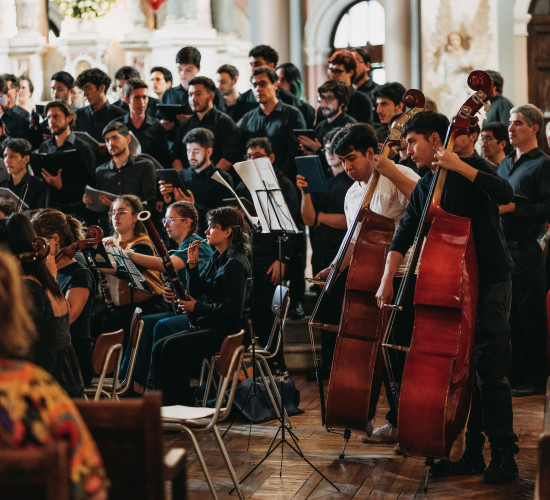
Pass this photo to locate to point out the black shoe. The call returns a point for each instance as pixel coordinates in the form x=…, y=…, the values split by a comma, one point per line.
x=503, y=467
x=297, y=311
x=527, y=390
x=471, y=463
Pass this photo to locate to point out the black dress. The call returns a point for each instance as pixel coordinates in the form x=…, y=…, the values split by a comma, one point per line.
x=53, y=350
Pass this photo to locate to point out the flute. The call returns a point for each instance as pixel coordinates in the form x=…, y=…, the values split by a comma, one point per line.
x=194, y=244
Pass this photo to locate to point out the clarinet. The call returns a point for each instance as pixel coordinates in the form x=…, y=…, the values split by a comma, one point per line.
x=177, y=286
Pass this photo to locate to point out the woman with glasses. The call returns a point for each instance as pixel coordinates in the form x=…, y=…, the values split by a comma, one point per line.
x=130, y=236
x=181, y=224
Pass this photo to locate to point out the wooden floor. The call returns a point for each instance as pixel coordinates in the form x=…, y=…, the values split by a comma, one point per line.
x=368, y=470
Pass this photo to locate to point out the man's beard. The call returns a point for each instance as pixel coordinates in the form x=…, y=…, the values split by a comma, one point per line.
x=332, y=114
x=198, y=165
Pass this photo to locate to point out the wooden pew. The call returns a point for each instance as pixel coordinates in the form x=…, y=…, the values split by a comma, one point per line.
x=129, y=436
x=35, y=474
x=542, y=490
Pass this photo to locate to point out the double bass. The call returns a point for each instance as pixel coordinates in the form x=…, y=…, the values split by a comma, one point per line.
x=435, y=394
x=357, y=365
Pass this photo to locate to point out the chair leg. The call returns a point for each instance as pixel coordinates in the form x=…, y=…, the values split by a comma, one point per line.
x=209, y=379
x=202, y=462
x=228, y=462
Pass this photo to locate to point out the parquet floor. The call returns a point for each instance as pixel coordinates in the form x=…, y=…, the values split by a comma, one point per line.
x=367, y=472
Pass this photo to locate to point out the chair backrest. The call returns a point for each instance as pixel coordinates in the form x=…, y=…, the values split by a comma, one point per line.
x=103, y=345
x=134, y=326
x=135, y=336
x=35, y=474
x=279, y=306
x=228, y=367
x=135, y=146
x=128, y=434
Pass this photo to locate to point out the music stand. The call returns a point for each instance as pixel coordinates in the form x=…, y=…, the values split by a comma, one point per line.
x=253, y=392
x=274, y=215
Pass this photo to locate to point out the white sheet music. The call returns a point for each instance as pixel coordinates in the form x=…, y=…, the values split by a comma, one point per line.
x=217, y=177
x=260, y=179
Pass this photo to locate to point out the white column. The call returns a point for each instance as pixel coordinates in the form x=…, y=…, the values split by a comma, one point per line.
x=397, y=49
x=27, y=46
x=223, y=16
x=273, y=26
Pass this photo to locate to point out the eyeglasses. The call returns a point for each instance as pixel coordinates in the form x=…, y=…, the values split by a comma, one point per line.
x=119, y=212
x=170, y=220
x=488, y=139
x=335, y=71
x=326, y=98
x=254, y=156
x=262, y=84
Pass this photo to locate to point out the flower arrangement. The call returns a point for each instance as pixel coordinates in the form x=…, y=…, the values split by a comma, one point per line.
x=84, y=9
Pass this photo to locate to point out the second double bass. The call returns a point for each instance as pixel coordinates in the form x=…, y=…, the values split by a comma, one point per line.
x=460, y=209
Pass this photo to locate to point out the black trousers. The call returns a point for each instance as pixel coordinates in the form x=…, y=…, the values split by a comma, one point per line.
x=491, y=410
x=528, y=314
x=178, y=357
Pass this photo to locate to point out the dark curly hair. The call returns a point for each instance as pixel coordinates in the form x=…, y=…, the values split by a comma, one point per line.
x=229, y=218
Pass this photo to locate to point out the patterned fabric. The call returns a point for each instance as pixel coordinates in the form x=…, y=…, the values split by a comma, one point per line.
x=34, y=410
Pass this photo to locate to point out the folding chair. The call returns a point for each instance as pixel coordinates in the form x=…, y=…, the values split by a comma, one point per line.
x=191, y=419
x=106, y=358
x=35, y=474
x=136, y=328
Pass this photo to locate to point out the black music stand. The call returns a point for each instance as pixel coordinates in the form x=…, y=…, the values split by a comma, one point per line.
x=275, y=217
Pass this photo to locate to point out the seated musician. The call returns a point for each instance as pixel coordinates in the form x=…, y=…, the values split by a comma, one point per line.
x=355, y=146
x=76, y=280
x=472, y=189
x=181, y=223
x=218, y=298
x=130, y=235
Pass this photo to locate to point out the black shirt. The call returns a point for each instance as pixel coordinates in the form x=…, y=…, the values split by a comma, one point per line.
x=529, y=177
x=221, y=290
x=73, y=183
x=93, y=122
x=247, y=102
x=37, y=194
x=152, y=138
x=326, y=240
x=207, y=192
x=278, y=126
x=227, y=137
x=324, y=127
x=75, y=275
x=479, y=201
x=137, y=176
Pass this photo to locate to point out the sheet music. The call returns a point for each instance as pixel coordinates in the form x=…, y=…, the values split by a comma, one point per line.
x=217, y=177
x=260, y=179
x=136, y=278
